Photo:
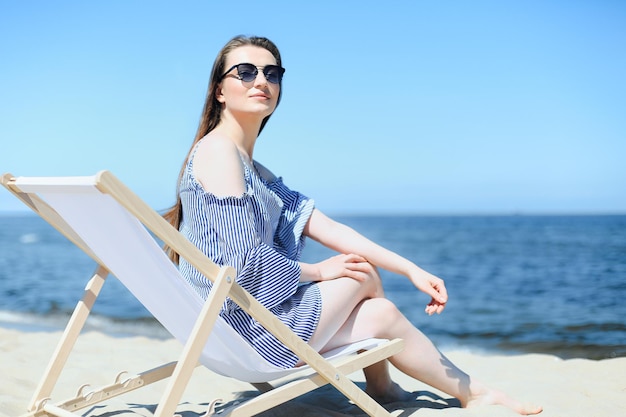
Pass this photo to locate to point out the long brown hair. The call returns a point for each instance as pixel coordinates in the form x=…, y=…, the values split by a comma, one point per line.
x=212, y=113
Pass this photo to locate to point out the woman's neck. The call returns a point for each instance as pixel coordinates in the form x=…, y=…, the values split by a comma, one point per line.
x=244, y=134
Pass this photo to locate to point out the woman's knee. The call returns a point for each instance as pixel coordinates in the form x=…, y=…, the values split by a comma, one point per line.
x=373, y=285
x=380, y=313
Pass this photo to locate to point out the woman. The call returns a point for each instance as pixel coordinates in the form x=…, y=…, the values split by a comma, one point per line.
x=238, y=213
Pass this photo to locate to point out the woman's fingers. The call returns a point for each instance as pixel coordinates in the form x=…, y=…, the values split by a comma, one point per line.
x=349, y=265
x=434, y=308
x=359, y=271
x=352, y=258
x=436, y=288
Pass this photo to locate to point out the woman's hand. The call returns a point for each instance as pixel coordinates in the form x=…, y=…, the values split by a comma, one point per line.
x=433, y=286
x=339, y=266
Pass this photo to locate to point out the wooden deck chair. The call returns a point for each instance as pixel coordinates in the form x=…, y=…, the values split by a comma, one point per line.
x=116, y=228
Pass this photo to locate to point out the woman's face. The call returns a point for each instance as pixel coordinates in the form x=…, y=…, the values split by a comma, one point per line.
x=258, y=97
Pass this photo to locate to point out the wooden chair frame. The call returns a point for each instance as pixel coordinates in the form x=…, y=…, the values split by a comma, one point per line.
x=180, y=371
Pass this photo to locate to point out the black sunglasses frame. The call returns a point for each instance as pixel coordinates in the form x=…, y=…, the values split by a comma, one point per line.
x=266, y=73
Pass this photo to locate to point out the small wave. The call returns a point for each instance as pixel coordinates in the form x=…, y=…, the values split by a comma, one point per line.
x=567, y=350
x=597, y=327
x=567, y=343
x=32, y=321
x=56, y=321
x=29, y=238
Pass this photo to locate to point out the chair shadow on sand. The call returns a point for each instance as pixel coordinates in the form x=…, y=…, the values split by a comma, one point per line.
x=323, y=402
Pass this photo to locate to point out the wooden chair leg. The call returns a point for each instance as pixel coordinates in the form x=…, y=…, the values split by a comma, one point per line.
x=68, y=339
x=193, y=348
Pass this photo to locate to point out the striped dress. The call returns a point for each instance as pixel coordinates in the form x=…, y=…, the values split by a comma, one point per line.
x=260, y=235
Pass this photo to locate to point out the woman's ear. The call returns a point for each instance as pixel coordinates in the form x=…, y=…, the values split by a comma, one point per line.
x=219, y=96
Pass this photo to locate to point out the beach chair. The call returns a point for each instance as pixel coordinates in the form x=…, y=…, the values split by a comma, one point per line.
x=117, y=229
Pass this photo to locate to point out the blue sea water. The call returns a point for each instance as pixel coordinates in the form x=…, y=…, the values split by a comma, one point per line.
x=545, y=284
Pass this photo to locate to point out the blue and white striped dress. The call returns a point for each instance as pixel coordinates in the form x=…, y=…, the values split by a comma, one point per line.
x=260, y=235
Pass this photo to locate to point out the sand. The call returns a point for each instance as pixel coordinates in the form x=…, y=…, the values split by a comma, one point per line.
x=575, y=387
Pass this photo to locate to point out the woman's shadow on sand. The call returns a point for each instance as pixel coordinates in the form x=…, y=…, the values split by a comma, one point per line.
x=323, y=402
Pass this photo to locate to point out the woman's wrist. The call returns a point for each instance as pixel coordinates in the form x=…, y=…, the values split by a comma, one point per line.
x=417, y=275
x=309, y=272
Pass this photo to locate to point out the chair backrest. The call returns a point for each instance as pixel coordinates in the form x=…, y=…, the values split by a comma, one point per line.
x=130, y=252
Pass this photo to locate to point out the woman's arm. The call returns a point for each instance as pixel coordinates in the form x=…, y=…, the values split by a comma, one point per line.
x=346, y=240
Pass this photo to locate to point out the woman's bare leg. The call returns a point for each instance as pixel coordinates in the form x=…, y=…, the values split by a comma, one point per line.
x=340, y=298
x=349, y=314
x=336, y=312
x=380, y=386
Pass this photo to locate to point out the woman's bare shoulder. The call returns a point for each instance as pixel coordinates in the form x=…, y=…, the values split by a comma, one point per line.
x=218, y=167
x=216, y=146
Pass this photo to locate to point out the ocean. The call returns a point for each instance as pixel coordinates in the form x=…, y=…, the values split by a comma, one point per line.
x=517, y=284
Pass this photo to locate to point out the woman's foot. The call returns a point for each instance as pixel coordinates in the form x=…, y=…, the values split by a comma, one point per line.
x=493, y=397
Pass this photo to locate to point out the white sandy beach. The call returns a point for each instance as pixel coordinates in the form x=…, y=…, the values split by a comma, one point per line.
x=569, y=388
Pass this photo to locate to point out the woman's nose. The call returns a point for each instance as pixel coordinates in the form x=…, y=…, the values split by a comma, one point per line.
x=260, y=79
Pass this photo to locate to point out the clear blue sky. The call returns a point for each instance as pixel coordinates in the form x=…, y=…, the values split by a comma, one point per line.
x=405, y=107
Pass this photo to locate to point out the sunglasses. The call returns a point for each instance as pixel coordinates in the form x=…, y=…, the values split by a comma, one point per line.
x=248, y=72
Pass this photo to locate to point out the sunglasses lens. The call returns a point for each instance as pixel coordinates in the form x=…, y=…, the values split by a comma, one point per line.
x=273, y=73
x=247, y=72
